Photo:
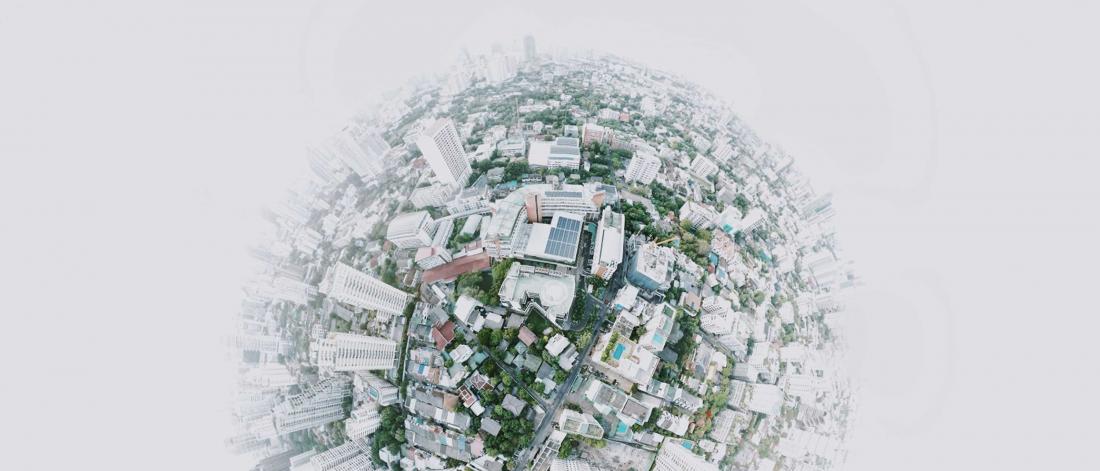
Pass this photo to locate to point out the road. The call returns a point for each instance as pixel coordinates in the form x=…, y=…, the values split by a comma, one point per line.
x=544, y=428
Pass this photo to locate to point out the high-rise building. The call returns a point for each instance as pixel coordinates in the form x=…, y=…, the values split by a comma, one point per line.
x=342, y=351
x=703, y=167
x=643, y=168
x=529, y=52
x=442, y=148
x=651, y=267
x=674, y=456
x=370, y=387
x=410, y=230
x=319, y=404
x=363, y=422
x=360, y=149
x=432, y=195
x=608, y=251
x=699, y=215
x=329, y=459
x=350, y=286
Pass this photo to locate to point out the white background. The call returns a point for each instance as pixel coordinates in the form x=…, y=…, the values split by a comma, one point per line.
x=139, y=140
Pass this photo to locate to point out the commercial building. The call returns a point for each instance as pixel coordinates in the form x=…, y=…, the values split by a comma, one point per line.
x=607, y=253
x=505, y=224
x=350, y=286
x=555, y=242
x=442, y=148
x=343, y=351
x=643, y=168
x=410, y=230
x=563, y=152
x=545, y=200
x=526, y=289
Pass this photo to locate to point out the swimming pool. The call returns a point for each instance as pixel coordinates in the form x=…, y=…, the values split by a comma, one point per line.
x=618, y=352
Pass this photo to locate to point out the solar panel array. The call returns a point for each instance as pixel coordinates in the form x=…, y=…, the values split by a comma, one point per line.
x=563, y=238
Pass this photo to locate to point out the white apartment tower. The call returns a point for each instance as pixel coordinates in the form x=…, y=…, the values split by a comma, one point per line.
x=643, y=168
x=361, y=150
x=342, y=351
x=321, y=403
x=703, y=167
x=410, y=230
x=699, y=215
x=442, y=148
x=363, y=422
x=331, y=458
x=674, y=457
x=350, y=286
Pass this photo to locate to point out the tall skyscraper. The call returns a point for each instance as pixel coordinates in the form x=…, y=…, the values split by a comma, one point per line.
x=529, y=52
x=319, y=404
x=674, y=457
x=442, y=147
x=348, y=285
x=361, y=149
x=643, y=168
x=342, y=351
x=410, y=230
x=363, y=422
x=331, y=458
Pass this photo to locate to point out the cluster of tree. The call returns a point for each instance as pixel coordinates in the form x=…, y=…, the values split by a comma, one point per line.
x=695, y=243
x=515, y=170
x=389, y=273
x=515, y=433
x=686, y=345
x=484, y=285
x=391, y=431
x=610, y=345
x=477, y=285
x=567, y=446
x=665, y=199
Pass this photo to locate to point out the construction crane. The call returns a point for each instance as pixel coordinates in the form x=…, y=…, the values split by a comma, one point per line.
x=670, y=239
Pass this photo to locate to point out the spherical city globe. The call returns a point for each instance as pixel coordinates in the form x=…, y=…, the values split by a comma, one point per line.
x=565, y=263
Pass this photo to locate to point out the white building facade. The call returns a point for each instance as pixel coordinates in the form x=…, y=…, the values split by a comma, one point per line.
x=350, y=286
x=643, y=168
x=342, y=351
x=442, y=148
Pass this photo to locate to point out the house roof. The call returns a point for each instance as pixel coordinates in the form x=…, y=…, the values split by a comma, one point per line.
x=526, y=336
x=443, y=334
